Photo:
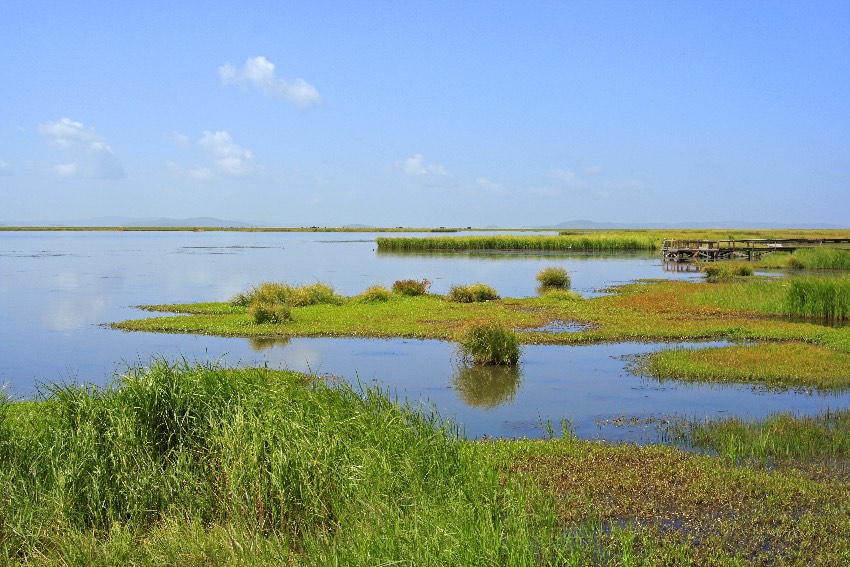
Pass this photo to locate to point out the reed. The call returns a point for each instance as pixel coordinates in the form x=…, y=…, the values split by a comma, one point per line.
x=578, y=243
x=719, y=271
x=374, y=294
x=827, y=298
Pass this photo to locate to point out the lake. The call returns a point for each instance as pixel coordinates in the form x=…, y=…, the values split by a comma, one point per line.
x=59, y=289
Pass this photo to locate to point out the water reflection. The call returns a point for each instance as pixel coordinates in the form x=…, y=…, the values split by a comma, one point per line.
x=486, y=386
x=259, y=344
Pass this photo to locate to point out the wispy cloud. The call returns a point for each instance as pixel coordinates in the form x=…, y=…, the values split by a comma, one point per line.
x=489, y=186
x=87, y=151
x=5, y=168
x=227, y=156
x=260, y=72
x=415, y=166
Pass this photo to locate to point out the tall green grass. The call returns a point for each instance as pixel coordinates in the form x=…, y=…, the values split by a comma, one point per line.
x=192, y=463
x=827, y=298
x=578, y=243
x=814, y=297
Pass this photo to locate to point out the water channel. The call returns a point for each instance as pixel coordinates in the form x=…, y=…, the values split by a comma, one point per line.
x=59, y=289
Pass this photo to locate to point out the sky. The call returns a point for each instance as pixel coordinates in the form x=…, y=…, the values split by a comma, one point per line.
x=436, y=113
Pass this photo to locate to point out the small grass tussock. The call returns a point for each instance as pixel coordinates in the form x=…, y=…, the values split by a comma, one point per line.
x=411, y=287
x=490, y=343
x=474, y=293
x=718, y=271
x=553, y=277
x=374, y=294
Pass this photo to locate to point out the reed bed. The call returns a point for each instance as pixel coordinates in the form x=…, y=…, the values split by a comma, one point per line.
x=192, y=463
x=827, y=298
x=573, y=242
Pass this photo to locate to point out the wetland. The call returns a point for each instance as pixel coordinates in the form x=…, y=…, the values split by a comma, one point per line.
x=654, y=417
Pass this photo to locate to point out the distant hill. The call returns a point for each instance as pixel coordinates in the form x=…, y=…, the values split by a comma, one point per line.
x=203, y=222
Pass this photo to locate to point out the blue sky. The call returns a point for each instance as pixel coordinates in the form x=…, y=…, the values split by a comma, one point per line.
x=427, y=113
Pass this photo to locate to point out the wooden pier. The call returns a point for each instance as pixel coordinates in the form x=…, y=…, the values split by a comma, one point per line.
x=678, y=250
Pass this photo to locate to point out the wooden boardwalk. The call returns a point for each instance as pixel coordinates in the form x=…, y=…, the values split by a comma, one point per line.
x=678, y=250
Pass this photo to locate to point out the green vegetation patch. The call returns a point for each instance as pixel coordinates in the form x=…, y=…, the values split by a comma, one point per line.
x=199, y=464
x=785, y=365
x=472, y=293
x=490, y=343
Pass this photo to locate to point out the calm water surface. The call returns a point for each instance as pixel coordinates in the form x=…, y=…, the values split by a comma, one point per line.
x=57, y=290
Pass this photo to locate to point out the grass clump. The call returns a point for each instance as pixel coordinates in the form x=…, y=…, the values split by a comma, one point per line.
x=718, y=271
x=411, y=287
x=374, y=294
x=472, y=293
x=827, y=298
x=262, y=312
x=559, y=294
x=490, y=343
x=553, y=277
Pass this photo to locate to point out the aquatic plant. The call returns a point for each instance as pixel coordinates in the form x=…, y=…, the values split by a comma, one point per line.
x=472, y=293
x=490, y=343
x=553, y=277
x=411, y=287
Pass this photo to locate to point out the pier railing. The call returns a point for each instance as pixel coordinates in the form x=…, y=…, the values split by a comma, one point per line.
x=683, y=250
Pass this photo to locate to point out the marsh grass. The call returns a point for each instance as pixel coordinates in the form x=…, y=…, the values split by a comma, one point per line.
x=721, y=271
x=490, y=343
x=553, y=277
x=601, y=242
x=780, y=365
x=411, y=287
x=827, y=298
x=474, y=293
x=196, y=463
x=262, y=312
x=780, y=437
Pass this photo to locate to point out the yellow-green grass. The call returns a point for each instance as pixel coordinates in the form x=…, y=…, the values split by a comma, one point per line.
x=780, y=364
x=807, y=258
x=588, y=240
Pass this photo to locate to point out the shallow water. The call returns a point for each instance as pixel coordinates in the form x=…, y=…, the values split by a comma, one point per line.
x=58, y=289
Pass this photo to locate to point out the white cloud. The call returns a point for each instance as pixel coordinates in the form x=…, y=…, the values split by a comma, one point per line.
x=489, y=186
x=259, y=71
x=224, y=157
x=5, y=168
x=415, y=165
x=89, y=154
x=180, y=139
x=227, y=156
x=568, y=178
